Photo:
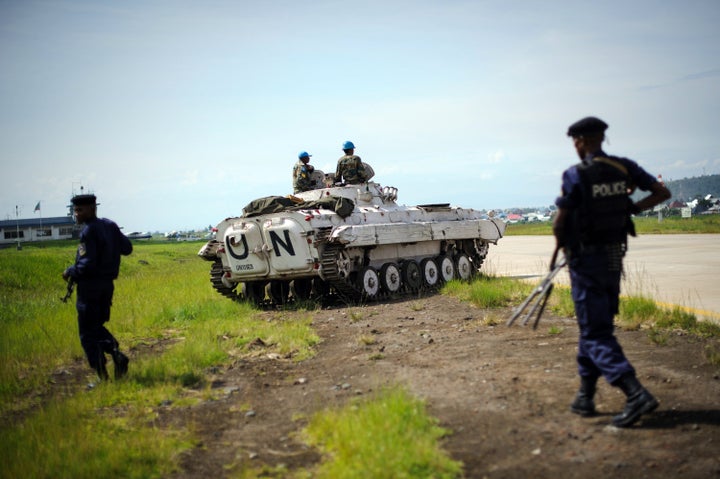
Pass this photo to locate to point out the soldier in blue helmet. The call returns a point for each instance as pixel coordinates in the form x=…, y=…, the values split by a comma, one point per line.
x=97, y=264
x=350, y=169
x=592, y=225
x=302, y=171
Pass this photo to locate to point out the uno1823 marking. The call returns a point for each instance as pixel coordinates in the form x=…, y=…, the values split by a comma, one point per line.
x=287, y=245
x=244, y=267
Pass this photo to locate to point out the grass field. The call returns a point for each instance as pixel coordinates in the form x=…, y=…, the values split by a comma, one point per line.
x=703, y=224
x=164, y=305
x=163, y=299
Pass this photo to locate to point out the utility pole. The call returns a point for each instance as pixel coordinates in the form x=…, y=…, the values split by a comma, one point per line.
x=660, y=215
x=17, y=227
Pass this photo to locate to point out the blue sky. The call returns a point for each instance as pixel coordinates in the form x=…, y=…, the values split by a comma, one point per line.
x=177, y=113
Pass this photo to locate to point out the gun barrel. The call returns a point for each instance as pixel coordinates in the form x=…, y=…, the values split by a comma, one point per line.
x=523, y=305
x=542, y=299
x=69, y=291
x=542, y=308
x=542, y=291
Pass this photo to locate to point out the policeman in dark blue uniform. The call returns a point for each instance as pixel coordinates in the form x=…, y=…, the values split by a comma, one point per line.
x=96, y=266
x=592, y=225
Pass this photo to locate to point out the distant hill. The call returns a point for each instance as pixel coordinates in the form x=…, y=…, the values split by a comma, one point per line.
x=685, y=190
x=688, y=189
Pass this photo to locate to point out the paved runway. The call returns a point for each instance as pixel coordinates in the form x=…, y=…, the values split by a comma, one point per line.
x=681, y=270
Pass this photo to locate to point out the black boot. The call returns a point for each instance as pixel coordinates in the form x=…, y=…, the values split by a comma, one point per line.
x=121, y=363
x=102, y=372
x=100, y=368
x=584, y=405
x=639, y=401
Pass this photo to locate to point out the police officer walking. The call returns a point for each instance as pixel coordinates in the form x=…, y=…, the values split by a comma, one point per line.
x=97, y=264
x=592, y=225
x=302, y=170
x=350, y=169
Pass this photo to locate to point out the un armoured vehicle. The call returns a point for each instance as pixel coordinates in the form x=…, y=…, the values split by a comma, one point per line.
x=354, y=242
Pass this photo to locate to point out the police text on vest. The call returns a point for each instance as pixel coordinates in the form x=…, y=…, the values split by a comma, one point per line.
x=609, y=189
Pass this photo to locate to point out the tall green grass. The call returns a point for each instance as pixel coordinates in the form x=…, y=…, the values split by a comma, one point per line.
x=636, y=312
x=178, y=332
x=389, y=436
x=487, y=291
x=37, y=331
x=704, y=224
x=177, y=329
x=84, y=437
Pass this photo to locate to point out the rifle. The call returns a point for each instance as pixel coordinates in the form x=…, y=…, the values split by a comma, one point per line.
x=69, y=292
x=542, y=292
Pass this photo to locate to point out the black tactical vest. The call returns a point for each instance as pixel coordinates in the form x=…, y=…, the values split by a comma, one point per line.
x=604, y=216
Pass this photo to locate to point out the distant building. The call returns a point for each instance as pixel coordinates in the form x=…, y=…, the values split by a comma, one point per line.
x=24, y=230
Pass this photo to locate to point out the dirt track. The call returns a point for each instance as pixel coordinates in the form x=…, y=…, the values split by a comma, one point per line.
x=503, y=392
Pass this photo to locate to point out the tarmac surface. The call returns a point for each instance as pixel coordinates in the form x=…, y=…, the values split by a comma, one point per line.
x=673, y=269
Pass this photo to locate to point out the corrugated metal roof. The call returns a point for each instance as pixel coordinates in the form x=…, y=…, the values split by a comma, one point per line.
x=37, y=222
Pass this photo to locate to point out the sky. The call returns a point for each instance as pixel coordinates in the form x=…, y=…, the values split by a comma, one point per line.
x=177, y=114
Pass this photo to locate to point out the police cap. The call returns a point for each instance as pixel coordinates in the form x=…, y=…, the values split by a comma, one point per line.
x=83, y=200
x=587, y=126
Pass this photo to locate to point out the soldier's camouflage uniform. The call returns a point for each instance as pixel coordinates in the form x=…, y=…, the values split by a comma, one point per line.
x=301, y=177
x=350, y=170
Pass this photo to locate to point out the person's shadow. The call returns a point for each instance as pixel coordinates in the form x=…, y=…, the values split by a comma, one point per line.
x=671, y=419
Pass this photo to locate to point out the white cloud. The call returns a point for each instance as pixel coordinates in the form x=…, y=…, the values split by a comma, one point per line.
x=202, y=109
x=190, y=177
x=497, y=157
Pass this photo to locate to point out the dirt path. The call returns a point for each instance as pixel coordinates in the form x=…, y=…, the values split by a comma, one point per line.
x=503, y=392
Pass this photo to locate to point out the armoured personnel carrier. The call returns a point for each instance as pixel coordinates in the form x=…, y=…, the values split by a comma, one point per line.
x=353, y=241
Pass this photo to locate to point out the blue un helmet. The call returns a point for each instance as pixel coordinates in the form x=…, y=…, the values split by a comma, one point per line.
x=304, y=154
x=348, y=145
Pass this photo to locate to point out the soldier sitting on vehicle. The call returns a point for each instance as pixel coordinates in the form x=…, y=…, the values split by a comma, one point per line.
x=302, y=171
x=350, y=168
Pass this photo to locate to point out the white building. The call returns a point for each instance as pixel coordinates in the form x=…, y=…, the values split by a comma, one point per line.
x=24, y=230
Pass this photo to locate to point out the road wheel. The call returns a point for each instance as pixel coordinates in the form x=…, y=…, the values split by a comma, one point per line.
x=430, y=272
x=464, y=267
x=446, y=267
x=411, y=275
x=369, y=282
x=390, y=278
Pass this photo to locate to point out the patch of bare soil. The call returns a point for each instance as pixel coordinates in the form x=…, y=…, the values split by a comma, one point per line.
x=503, y=392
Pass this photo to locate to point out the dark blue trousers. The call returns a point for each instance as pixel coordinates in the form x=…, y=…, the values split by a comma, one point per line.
x=595, y=292
x=94, y=299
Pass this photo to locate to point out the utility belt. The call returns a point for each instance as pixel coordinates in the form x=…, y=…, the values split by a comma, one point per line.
x=96, y=282
x=614, y=251
x=595, y=248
